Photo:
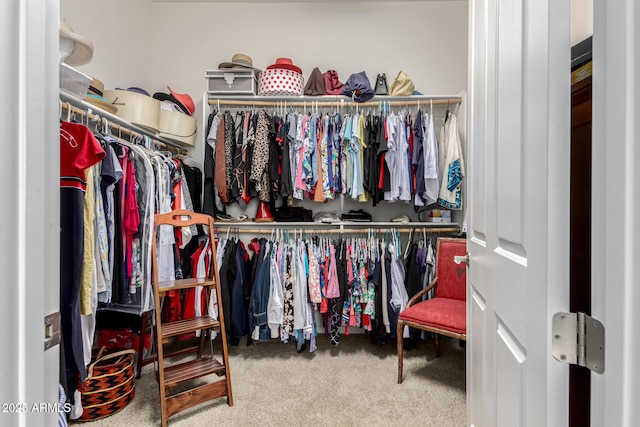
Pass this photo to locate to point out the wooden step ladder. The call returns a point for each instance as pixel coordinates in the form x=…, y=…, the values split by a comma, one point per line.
x=218, y=381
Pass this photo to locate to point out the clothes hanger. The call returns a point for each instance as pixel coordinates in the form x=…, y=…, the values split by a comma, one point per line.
x=446, y=114
x=409, y=243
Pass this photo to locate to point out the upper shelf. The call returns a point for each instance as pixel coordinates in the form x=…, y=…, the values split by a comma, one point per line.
x=117, y=122
x=332, y=100
x=340, y=224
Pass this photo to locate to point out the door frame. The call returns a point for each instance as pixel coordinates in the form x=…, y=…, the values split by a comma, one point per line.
x=31, y=220
x=616, y=209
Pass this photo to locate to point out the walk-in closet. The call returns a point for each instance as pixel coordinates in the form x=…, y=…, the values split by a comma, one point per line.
x=311, y=212
x=327, y=207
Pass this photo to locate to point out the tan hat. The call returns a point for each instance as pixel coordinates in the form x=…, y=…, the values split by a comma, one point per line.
x=96, y=87
x=82, y=47
x=239, y=60
x=95, y=96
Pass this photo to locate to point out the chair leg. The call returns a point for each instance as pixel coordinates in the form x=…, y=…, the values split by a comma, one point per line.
x=400, y=349
x=437, y=344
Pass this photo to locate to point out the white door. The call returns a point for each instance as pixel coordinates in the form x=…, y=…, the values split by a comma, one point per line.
x=615, y=279
x=29, y=246
x=518, y=145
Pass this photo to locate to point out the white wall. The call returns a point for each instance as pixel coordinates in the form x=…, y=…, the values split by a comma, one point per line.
x=153, y=45
x=427, y=40
x=120, y=31
x=581, y=20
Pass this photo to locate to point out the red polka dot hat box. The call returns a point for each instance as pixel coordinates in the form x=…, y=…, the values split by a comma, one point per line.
x=283, y=78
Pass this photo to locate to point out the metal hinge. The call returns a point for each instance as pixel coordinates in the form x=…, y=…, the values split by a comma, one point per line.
x=578, y=339
x=51, y=330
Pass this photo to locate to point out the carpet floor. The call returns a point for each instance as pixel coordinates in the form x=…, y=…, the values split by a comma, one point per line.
x=353, y=384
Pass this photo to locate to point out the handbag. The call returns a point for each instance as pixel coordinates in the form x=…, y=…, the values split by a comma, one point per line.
x=381, y=85
x=402, y=85
x=109, y=385
x=358, y=88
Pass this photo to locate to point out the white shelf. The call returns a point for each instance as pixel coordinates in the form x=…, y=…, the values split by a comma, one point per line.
x=324, y=100
x=97, y=111
x=336, y=225
x=339, y=228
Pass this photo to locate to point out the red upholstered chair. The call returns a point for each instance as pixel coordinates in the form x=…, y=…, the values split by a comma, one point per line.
x=446, y=312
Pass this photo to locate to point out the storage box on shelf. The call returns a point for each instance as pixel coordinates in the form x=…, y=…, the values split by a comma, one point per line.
x=177, y=127
x=139, y=109
x=231, y=82
x=439, y=215
x=73, y=81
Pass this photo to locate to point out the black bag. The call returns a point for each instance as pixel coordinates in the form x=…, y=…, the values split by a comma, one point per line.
x=381, y=85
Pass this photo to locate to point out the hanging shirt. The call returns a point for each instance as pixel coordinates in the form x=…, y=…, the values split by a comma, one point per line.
x=326, y=151
x=275, y=305
x=166, y=237
x=286, y=189
x=345, y=135
x=403, y=167
x=314, y=274
x=220, y=160
x=391, y=157
x=430, y=153
x=260, y=162
x=101, y=236
x=336, y=143
x=88, y=258
x=363, y=195
x=146, y=203
x=417, y=160
x=211, y=182
x=111, y=173
x=79, y=150
x=313, y=148
x=298, y=193
x=450, y=195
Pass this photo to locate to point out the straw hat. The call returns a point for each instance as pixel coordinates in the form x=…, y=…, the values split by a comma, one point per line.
x=239, y=60
x=95, y=96
x=82, y=50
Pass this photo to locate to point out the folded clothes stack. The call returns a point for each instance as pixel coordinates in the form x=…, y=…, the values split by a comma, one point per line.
x=326, y=218
x=402, y=219
x=357, y=216
x=293, y=214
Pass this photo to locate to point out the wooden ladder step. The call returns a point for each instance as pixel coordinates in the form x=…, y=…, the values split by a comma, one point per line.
x=196, y=396
x=191, y=370
x=188, y=325
x=175, y=285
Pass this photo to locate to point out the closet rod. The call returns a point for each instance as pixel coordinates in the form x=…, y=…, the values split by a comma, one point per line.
x=337, y=103
x=440, y=230
x=66, y=105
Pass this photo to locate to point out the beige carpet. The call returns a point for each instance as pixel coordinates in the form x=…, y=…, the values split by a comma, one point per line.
x=354, y=384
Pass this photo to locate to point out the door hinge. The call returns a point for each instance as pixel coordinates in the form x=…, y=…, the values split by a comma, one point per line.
x=578, y=339
x=51, y=330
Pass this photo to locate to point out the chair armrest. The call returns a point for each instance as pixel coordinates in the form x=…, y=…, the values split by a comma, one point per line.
x=420, y=294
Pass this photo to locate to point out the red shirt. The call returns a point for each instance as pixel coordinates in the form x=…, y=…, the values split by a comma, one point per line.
x=79, y=150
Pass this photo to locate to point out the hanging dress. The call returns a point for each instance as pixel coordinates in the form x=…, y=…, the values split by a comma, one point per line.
x=451, y=189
